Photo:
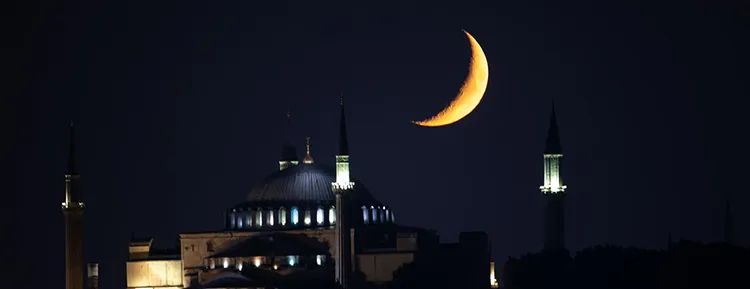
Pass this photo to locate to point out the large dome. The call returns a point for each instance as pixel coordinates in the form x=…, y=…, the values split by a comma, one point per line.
x=302, y=196
x=305, y=183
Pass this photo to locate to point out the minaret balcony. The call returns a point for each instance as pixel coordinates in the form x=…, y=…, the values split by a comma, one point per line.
x=71, y=205
x=343, y=186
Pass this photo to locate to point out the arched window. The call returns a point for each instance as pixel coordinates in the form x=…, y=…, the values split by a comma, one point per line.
x=381, y=212
x=232, y=220
x=332, y=215
x=210, y=246
x=374, y=215
x=282, y=216
x=319, y=215
x=295, y=216
x=240, y=221
x=270, y=217
x=258, y=217
x=365, y=215
x=307, y=217
x=387, y=215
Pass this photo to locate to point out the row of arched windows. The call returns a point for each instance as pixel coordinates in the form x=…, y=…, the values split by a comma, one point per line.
x=375, y=215
x=282, y=217
x=260, y=218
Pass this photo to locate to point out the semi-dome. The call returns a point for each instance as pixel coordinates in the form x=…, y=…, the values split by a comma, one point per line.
x=302, y=196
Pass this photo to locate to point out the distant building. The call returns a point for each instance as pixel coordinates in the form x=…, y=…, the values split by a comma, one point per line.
x=303, y=223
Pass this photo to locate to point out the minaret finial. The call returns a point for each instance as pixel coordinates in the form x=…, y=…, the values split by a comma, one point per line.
x=308, y=158
x=553, y=137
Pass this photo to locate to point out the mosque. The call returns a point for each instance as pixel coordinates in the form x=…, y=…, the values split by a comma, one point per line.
x=308, y=224
x=303, y=223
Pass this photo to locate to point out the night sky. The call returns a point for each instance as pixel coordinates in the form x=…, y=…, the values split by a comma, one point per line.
x=180, y=108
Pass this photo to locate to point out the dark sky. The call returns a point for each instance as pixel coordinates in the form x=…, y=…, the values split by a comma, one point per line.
x=180, y=108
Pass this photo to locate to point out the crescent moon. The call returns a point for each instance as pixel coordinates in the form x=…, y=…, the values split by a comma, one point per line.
x=471, y=92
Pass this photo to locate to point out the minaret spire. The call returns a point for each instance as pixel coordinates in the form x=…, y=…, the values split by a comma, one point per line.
x=553, y=189
x=343, y=140
x=288, y=151
x=72, y=209
x=343, y=188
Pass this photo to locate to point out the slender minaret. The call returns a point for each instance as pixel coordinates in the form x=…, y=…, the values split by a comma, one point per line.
x=308, y=159
x=553, y=189
x=343, y=188
x=288, y=151
x=73, y=211
x=728, y=221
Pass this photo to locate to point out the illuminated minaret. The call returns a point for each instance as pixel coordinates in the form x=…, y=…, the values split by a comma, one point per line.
x=288, y=151
x=73, y=211
x=343, y=187
x=553, y=189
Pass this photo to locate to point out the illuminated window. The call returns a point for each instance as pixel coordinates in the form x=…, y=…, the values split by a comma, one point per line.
x=269, y=217
x=240, y=221
x=387, y=215
x=226, y=262
x=210, y=246
x=381, y=212
x=282, y=216
x=365, y=215
x=239, y=266
x=374, y=215
x=292, y=260
x=212, y=264
x=258, y=217
x=248, y=220
x=256, y=261
x=319, y=216
x=320, y=259
x=332, y=215
x=307, y=217
x=295, y=216
x=232, y=220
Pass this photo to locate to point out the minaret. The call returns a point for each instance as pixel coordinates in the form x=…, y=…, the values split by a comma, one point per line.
x=728, y=221
x=308, y=158
x=288, y=151
x=73, y=211
x=553, y=189
x=343, y=187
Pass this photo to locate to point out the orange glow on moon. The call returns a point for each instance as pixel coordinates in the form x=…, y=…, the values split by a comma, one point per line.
x=471, y=92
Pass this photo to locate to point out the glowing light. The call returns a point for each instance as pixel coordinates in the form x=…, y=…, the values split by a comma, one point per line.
x=291, y=260
x=470, y=94
x=295, y=216
x=270, y=217
x=493, y=280
x=239, y=266
x=282, y=216
x=258, y=218
x=332, y=215
x=365, y=215
x=275, y=267
x=256, y=261
x=319, y=216
x=307, y=217
x=226, y=262
x=319, y=259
